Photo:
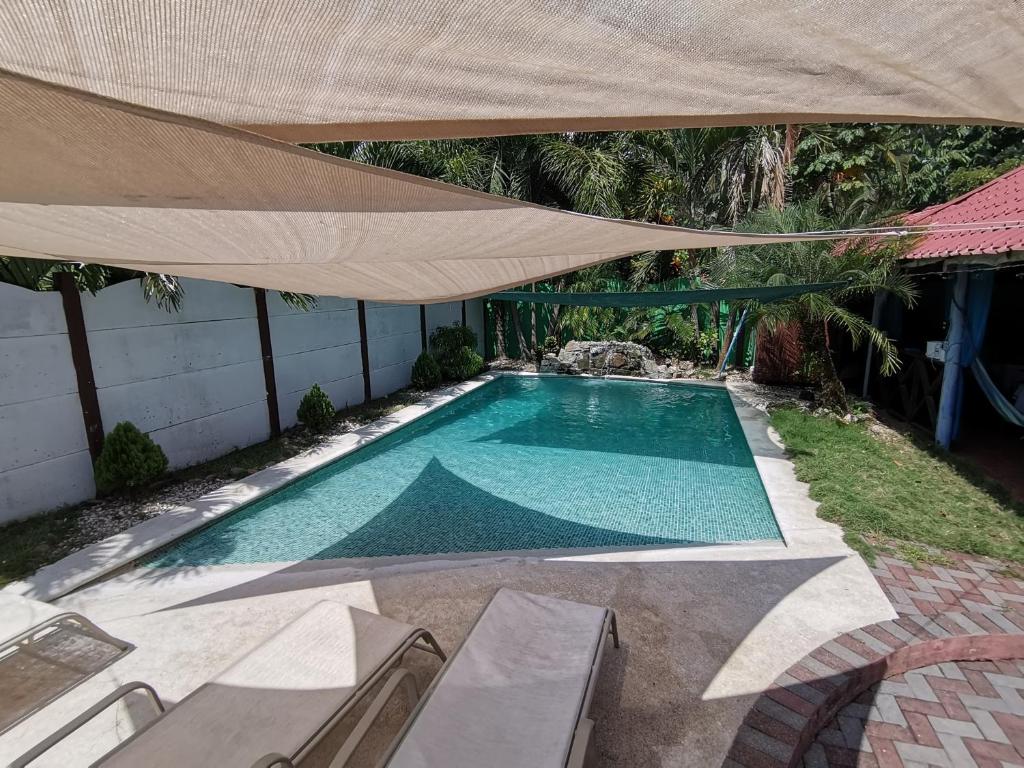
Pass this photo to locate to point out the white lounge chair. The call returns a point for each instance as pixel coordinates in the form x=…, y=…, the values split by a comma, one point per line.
x=44, y=652
x=516, y=694
x=276, y=703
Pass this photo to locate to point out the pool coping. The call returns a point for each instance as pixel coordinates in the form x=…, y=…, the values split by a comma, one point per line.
x=115, y=552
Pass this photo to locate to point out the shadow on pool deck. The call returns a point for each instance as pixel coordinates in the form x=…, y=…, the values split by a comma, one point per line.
x=697, y=636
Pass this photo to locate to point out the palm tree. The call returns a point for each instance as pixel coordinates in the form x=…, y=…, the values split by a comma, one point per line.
x=864, y=266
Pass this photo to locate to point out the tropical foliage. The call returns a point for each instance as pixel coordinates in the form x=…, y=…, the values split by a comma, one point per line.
x=864, y=266
x=776, y=177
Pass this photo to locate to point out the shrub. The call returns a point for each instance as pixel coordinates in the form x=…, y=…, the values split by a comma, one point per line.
x=454, y=346
x=129, y=460
x=316, y=410
x=707, y=347
x=551, y=344
x=464, y=364
x=426, y=373
x=447, y=340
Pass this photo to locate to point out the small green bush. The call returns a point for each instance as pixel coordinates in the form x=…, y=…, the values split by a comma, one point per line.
x=453, y=347
x=316, y=410
x=707, y=347
x=449, y=339
x=464, y=364
x=426, y=373
x=129, y=459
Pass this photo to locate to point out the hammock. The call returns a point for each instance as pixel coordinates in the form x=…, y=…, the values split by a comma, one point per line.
x=1004, y=407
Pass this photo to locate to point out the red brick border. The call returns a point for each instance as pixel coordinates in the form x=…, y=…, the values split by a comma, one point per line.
x=782, y=723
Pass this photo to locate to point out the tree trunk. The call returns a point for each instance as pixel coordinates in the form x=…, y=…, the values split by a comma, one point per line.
x=524, y=352
x=822, y=368
x=788, y=155
x=753, y=189
x=789, y=148
x=691, y=257
x=499, y=329
x=555, y=328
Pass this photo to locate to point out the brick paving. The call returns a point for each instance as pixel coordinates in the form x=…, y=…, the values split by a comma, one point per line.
x=942, y=685
x=966, y=714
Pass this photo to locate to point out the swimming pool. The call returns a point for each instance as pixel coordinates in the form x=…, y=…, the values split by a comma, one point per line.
x=521, y=463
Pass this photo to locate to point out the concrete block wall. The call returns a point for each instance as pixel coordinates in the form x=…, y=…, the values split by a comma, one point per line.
x=44, y=456
x=440, y=315
x=316, y=347
x=450, y=313
x=475, y=320
x=394, y=342
x=192, y=379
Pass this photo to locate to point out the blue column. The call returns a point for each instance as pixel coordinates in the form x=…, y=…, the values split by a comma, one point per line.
x=945, y=427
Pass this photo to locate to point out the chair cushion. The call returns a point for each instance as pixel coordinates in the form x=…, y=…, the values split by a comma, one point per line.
x=276, y=698
x=512, y=695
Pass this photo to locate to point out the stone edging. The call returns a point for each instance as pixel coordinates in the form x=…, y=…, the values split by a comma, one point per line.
x=782, y=723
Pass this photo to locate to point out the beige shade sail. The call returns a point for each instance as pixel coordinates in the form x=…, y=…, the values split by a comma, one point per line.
x=317, y=70
x=84, y=178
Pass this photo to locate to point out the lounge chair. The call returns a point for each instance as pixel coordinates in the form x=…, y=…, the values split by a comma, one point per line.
x=275, y=704
x=45, y=652
x=516, y=694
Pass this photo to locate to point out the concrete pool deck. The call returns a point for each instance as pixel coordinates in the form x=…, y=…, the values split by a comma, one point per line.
x=704, y=629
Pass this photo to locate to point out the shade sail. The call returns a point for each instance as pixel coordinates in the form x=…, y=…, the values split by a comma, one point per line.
x=763, y=293
x=313, y=70
x=84, y=178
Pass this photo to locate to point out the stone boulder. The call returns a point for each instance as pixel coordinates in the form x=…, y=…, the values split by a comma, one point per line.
x=601, y=358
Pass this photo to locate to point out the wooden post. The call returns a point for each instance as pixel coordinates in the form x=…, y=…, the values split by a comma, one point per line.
x=463, y=313
x=364, y=349
x=945, y=426
x=82, y=361
x=485, y=305
x=533, y=319
x=267, y=351
x=423, y=327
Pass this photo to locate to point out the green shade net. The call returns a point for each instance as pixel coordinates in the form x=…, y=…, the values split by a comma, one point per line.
x=764, y=294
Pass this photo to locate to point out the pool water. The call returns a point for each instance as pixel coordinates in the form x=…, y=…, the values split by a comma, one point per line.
x=522, y=463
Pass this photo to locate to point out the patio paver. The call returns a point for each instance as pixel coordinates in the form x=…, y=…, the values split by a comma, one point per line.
x=943, y=685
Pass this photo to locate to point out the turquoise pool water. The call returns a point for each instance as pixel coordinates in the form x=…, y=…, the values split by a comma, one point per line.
x=520, y=463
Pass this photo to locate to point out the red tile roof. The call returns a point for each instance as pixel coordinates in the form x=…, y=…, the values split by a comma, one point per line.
x=1000, y=200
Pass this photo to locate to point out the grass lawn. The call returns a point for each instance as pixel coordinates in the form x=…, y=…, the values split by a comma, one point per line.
x=894, y=489
x=27, y=545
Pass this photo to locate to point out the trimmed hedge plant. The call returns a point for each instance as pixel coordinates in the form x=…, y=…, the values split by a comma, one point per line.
x=465, y=363
x=426, y=373
x=129, y=459
x=454, y=346
x=316, y=410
